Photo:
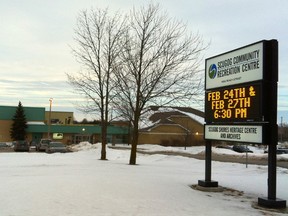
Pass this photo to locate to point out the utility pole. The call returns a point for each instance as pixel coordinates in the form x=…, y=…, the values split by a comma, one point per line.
x=281, y=132
x=49, y=118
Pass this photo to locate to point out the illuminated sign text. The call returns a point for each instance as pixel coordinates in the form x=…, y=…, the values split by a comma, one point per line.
x=233, y=104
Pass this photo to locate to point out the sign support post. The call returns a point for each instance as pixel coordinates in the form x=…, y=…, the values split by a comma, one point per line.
x=208, y=159
x=272, y=201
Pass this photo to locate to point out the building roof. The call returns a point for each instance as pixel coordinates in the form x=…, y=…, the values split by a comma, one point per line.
x=182, y=109
x=160, y=115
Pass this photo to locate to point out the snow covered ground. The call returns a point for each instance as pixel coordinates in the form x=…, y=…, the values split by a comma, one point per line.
x=79, y=184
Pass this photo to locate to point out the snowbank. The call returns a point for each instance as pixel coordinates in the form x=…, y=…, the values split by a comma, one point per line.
x=78, y=183
x=84, y=146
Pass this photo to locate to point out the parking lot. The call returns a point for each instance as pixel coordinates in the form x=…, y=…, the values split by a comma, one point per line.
x=32, y=150
x=10, y=149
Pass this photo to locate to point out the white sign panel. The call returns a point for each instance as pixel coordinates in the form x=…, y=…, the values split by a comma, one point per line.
x=236, y=133
x=235, y=67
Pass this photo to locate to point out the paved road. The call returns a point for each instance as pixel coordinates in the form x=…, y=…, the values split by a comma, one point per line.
x=221, y=158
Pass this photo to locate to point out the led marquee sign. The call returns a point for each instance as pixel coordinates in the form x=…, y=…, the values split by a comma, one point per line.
x=233, y=104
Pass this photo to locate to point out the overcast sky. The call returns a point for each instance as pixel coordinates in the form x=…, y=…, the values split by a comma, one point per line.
x=36, y=35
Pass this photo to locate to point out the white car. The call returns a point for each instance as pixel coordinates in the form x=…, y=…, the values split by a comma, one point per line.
x=41, y=146
x=53, y=147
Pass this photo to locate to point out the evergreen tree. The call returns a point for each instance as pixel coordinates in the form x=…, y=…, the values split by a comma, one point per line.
x=19, y=125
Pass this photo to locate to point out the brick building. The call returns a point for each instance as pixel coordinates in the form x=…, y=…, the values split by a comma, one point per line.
x=61, y=127
x=173, y=126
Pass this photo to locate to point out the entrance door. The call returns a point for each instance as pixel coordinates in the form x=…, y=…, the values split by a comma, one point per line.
x=81, y=138
x=36, y=137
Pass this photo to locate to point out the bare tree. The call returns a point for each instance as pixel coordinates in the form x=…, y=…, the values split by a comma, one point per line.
x=98, y=38
x=159, y=66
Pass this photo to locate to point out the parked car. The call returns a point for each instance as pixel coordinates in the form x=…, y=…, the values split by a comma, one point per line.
x=53, y=147
x=241, y=149
x=282, y=151
x=3, y=145
x=279, y=151
x=21, y=145
x=223, y=146
x=42, y=145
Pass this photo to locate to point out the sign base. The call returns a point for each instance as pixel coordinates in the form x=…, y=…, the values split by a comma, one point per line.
x=205, y=183
x=271, y=203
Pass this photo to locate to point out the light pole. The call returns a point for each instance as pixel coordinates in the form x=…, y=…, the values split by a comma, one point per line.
x=49, y=118
x=196, y=137
x=83, y=135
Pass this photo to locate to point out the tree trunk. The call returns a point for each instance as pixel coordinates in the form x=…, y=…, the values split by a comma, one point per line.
x=134, y=143
x=103, y=151
x=133, y=153
x=104, y=140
